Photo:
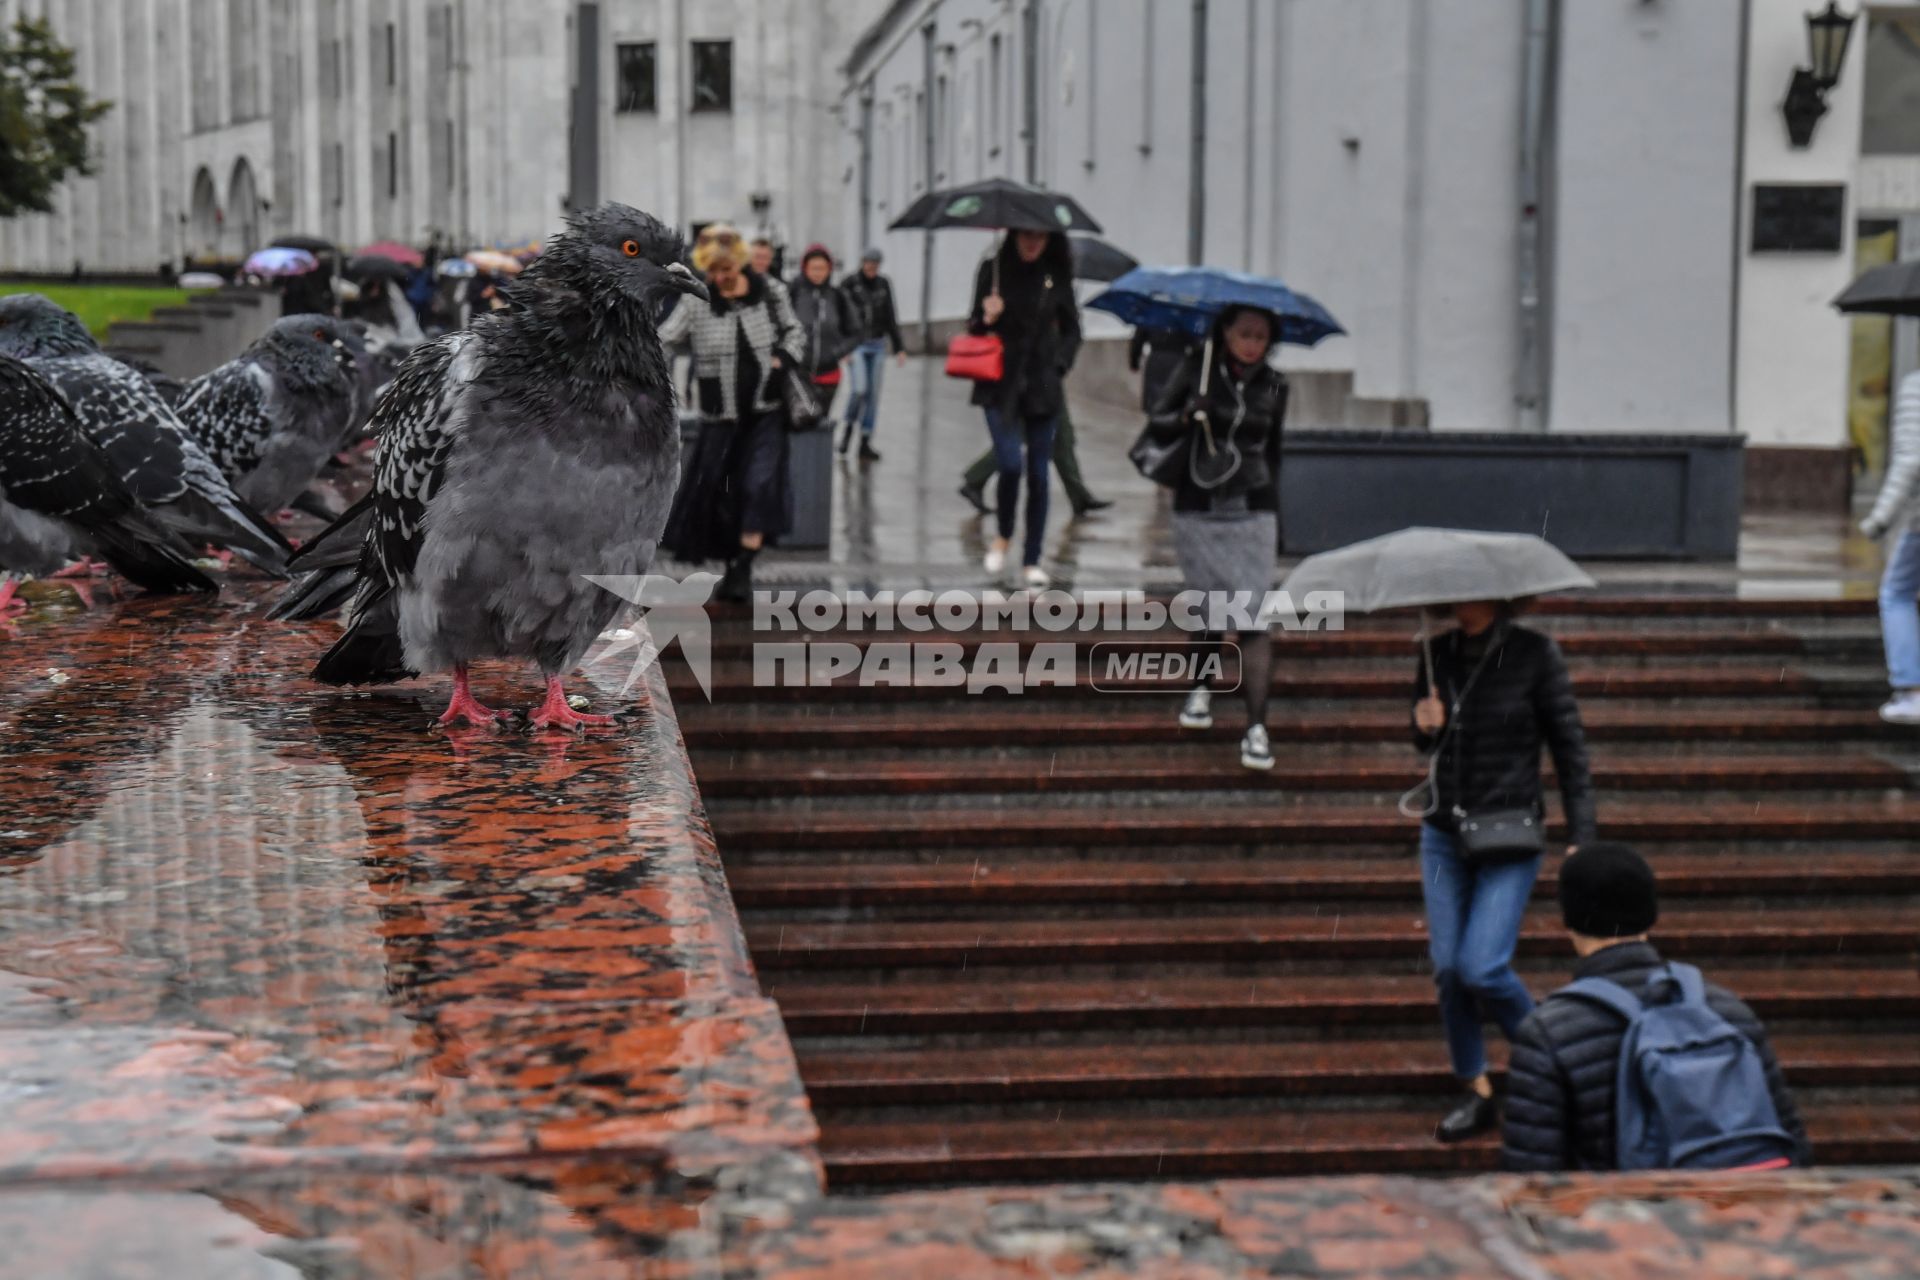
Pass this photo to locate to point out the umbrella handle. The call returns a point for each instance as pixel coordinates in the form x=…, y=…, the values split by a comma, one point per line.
x=1426, y=649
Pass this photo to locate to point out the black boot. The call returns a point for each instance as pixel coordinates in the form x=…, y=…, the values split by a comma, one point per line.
x=978, y=497
x=1091, y=505
x=1474, y=1116
x=867, y=452
x=846, y=435
x=736, y=585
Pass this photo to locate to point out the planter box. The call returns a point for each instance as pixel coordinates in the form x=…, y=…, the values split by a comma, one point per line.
x=1664, y=497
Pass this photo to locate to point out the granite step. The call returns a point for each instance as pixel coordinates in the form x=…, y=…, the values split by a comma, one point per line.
x=812, y=1007
x=840, y=1080
x=994, y=879
x=1281, y=1142
x=1275, y=935
x=1273, y=826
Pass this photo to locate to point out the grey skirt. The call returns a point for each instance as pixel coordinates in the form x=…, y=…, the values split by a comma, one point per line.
x=1227, y=551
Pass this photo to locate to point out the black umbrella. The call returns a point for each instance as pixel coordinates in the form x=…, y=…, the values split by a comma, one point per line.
x=1095, y=259
x=312, y=244
x=1892, y=290
x=371, y=266
x=996, y=204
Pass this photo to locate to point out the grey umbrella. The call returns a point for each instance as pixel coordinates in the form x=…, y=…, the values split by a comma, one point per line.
x=1420, y=568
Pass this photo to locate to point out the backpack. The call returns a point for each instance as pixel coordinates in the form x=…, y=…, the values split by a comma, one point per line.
x=1691, y=1091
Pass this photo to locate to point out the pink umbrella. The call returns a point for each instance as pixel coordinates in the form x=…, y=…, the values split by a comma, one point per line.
x=494, y=262
x=405, y=255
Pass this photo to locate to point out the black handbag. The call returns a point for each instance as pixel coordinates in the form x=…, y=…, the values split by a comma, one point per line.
x=798, y=395
x=1159, y=453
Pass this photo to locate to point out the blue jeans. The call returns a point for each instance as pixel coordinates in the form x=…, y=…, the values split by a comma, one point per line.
x=1473, y=922
x=863, y=377
x=1013, y=437
x=1900, y=611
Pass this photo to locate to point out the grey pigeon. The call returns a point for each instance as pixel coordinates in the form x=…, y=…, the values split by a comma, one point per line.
x=123, y=413
x=60, y=497
x=273, y=416
x=515, y=458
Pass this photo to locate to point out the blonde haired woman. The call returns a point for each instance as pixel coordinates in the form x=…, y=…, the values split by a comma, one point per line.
x=734, y=494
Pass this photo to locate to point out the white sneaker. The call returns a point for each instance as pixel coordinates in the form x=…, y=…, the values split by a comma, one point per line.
x=1255, y=752
x=995, y=561
x=1198, y=713
x=1902, y=708
x=1035, y=577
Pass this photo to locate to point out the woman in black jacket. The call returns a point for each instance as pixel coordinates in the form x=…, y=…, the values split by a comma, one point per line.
x=1024, y=293
x=831, y=325
x=1497, y=694
x=1226, y=507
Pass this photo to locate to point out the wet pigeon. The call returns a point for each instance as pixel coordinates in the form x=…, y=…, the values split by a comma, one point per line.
x=60, y=497
x=273, y=416
x=539, y=446
x=123, y=413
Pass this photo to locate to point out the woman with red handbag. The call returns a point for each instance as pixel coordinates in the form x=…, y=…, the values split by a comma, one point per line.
x=1023, y=296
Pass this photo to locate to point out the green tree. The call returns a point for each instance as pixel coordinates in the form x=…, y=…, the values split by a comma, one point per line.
x=44, y=114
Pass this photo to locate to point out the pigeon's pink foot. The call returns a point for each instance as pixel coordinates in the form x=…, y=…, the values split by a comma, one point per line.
x=466, y=707
x=554, y=713
x=9, y=600
x=225, y=557
x=84, y=567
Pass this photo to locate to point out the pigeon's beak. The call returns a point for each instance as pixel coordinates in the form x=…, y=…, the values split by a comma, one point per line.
x=684, y=281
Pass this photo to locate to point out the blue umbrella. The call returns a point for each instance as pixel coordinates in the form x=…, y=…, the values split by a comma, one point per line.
x=1190, y=299
x=281, y=262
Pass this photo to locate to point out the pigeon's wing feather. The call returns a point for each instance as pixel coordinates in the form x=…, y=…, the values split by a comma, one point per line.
x=123, y=414
x=226, y=413
x=50, y=467
x=418, y=424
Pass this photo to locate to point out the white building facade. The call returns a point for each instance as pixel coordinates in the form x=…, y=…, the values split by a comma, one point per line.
x=235, y=121
x=1576, y=258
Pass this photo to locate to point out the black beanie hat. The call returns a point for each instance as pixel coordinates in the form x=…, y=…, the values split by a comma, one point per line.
x=1607, y=891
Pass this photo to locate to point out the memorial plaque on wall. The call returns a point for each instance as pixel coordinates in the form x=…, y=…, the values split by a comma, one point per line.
x=1802, y=218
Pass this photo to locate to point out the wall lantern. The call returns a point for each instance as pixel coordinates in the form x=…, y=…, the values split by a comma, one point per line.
x=1827, y=36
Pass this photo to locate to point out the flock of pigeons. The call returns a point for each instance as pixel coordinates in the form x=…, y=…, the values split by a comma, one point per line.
x=513, y=459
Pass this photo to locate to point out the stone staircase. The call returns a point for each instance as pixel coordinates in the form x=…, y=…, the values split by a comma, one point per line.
x=1054, y=936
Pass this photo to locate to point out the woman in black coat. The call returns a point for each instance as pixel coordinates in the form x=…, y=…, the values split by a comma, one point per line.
x=1024, y=294
x=1514, y=697
x=1226, y=507
x=831, y=325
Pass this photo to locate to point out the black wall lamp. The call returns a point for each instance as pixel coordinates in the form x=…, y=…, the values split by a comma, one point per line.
x=1827, y=36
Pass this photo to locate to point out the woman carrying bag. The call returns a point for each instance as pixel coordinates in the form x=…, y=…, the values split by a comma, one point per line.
x=735, y=493
x=1023, y=296
x=832, y=328
x=1220, y=416
x=1490, y=695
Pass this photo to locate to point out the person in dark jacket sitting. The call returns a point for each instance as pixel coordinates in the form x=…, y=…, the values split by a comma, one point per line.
x=1566, y=1055
x=1226, y=508
x=1514, y=696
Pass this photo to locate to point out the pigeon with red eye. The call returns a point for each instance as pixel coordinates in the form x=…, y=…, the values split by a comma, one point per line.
x=123, y=413
x=273, y=416
x=516, y=458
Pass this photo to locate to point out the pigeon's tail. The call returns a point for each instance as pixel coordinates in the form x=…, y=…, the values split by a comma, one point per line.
x=369, y=652
x=148, y=556
x=228, y=523
x=328, y=568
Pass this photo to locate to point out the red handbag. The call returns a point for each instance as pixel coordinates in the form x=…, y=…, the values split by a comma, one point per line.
x=977, y=357
x=831, y=378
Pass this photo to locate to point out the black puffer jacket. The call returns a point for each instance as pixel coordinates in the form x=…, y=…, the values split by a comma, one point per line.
x=1040, y=328
x=1245, y=411
x=1522, y=701
x=1565, y=1064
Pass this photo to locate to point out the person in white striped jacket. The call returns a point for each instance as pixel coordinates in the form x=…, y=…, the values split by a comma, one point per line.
x=1897, y=513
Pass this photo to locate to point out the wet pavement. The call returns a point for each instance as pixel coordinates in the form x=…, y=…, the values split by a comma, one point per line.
x=291, y=984
x=901, y=522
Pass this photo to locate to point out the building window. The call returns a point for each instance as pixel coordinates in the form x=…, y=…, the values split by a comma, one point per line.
x=393, y=60
x=337, y=173
x=330, y=68
x=713, y=75
x=637, y=78
x=393, y=165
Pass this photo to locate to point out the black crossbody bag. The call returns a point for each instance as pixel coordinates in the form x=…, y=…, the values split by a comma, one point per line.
x=1485, y=837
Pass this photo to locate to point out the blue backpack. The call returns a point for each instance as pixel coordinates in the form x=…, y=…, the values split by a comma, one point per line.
x=1692, y=1090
